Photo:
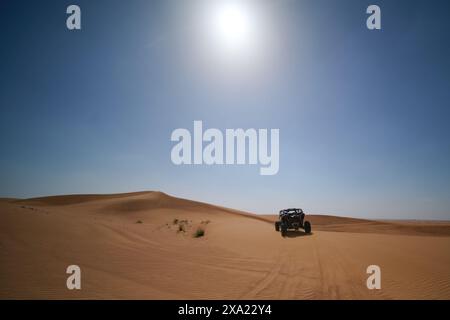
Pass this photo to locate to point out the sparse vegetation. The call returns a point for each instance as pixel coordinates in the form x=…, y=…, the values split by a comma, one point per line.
x=199, y=233
x=139, y=221
x=185, y=225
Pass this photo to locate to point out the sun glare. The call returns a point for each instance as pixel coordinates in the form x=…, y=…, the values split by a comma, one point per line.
x=232, y=28
x=229, y=41
x=232, y=25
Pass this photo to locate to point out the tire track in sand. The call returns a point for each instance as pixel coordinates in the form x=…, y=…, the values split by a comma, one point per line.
x=267, y=280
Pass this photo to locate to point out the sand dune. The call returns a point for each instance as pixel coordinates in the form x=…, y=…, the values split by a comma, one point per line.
x=141, y=245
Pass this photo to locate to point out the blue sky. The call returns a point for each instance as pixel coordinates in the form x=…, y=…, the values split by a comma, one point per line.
x=363, y=115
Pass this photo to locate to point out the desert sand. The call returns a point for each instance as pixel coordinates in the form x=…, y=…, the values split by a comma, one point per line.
x=141, y=245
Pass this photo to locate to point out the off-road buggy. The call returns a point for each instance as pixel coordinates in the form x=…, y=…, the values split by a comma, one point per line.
x=292, y=219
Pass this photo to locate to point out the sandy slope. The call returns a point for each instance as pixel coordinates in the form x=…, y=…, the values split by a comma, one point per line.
x=240, y=257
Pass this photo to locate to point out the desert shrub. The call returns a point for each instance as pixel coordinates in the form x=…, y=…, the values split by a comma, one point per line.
x=139, y=221
x=199, y=233
x=175, y=221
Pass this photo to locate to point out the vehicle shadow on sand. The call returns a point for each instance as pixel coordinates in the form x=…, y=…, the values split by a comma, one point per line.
x=295, y=234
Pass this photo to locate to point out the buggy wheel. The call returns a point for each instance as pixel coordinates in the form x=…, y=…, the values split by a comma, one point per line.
x=277, y=226
x=307, y=227
x=283, y=230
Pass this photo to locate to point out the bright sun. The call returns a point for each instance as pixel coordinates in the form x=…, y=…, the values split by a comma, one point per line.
x=232, y=24
x=229, y=39
x=232, y=27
